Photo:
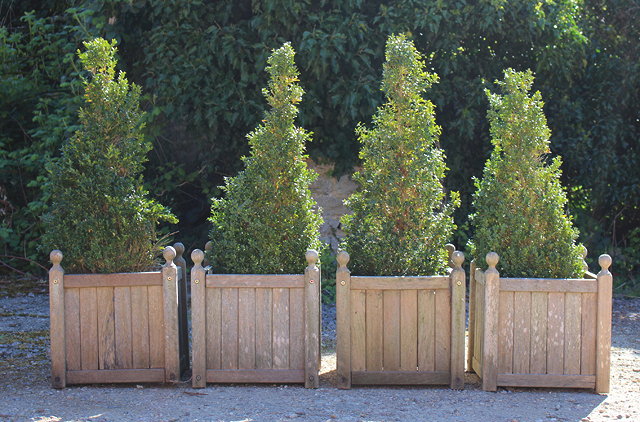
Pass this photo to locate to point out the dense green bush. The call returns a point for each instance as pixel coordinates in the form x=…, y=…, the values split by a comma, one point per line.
x=520, y=205
x=101, y=217
x=268, y=219
x=401, y=220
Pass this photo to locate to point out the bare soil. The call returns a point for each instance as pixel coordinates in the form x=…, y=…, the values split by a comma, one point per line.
x=26, y=394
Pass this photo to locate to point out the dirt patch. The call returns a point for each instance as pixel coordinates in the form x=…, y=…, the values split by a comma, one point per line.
x=27, y=396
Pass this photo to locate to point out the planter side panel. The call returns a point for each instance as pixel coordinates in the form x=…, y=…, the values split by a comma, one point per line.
x=255, y=328
x=114, y=323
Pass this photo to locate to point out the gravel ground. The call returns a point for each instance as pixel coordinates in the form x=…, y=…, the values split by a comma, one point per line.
x=27, y=396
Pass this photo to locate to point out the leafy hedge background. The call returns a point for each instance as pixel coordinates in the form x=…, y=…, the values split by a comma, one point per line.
x=200, y=64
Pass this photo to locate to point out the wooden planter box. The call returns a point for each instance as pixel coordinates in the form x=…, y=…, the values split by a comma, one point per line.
x=540, y=332
x=400, y=330
x=110, y=328
x=255, y=328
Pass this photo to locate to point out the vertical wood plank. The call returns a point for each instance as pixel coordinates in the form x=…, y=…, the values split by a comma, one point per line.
x=603, y=334
x=588, y=334
x=408, y=330
x=572, y=333
x=140, y=326
x=56, y=321
x=479, y=311
x=122, y=315
x=391, y=330
x=72, y=328
x=213, y=326
x=281, y=328
x=229, y=331
x=505, y=334
x=89, y=328
x=106, y=329
x=555, y=334
x=443, y=330
x=358, y=330
x=264, y=313
x=471, y=338
x=171, y=324
x=202, y=302
x=374, y=322
x=426, y=330
x=297, y=353
x=247, y=328
x=343, y=320
x=156, y=326
x=458, y=290
x=311, y=326
x=539, y=314
x=491, y=306
x=521, y=332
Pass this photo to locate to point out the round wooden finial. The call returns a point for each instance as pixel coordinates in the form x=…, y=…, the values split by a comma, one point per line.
x=343, y=258
x=450, y=248
x=55, y=257
x=457, y=258
x=605, y=261
x=208, y=246
x=197, y=256
x=169, y=254
x=312, y=257
x=179, y=247
x=492, y=259
x=584, y=252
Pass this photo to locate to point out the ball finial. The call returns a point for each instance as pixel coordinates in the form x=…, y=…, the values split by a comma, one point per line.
x=169, y=254
x=457, y=258
x=584, y=251
x=605, y=261
x=55, y=257
x=208, y=246
x=197, y=256
x=492, y=259
x=343, y=258
x=312, y=257
x=179, y=247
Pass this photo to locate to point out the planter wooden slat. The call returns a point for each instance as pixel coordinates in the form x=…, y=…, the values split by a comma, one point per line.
x=546, y=380
x=140, y=326
x=267, y=281
x=255, y=328
x=115, y=327
x=264, y=349
x=400, y=378
x=72, y=329
x=112, y=280
x=256, y=376
x=89, y=328
x=426, y=330
x=548, y=285
x=399, y=283
x=400, y=330
x=115, y=376
x=560, y=335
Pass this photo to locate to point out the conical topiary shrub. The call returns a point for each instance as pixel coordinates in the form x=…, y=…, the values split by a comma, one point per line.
x=519, y=203
x=101, y=216
x=401, y=219
x=268, y=219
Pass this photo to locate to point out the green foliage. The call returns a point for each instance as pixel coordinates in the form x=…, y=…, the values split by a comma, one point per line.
x=267, y=219
x=38, y=110
x=401, y=220
x=101, y=217
x=520, y=204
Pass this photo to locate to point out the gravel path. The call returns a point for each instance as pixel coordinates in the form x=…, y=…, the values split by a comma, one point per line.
x=26, y=395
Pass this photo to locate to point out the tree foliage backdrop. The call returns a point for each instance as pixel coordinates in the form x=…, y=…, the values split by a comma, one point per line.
x=200, y=64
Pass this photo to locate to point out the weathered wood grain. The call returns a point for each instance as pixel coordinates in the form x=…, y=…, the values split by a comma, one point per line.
x=539, y=315
x=201, y=304
x=72, y=329
x=89, y=328
x=140, y=327
x=521, y=332
x=505, y=333
x=56, y=321
x=426, y=330
x=408, y=330
x=264, y=316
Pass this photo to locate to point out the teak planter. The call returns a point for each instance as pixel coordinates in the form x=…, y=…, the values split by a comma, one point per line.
x=110, y=328
x=401, y=330
x=527, y=332
x=251, y=328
